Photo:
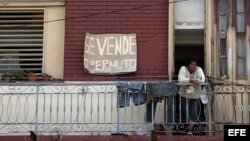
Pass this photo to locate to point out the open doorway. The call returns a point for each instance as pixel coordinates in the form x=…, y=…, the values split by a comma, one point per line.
x=188, y=43
x=183, y=52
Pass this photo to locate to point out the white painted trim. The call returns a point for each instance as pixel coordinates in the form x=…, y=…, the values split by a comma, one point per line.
x=54, y=37
x=31, y=4
x=171, y=39
x=45, y=33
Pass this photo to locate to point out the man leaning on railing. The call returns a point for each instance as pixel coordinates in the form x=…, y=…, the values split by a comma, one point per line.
x=190, y=94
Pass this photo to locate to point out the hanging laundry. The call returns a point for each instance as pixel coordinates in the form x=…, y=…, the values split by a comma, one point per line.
x=126, y=90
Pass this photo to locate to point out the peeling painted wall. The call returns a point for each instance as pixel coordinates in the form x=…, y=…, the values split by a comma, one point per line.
x=191, y=15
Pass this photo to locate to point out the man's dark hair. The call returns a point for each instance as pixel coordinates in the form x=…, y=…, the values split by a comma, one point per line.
x=190, y=60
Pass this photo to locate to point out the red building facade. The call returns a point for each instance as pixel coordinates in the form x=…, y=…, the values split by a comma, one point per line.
x=147, y=18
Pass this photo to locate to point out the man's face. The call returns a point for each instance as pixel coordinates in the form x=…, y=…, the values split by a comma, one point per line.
x=192, y=66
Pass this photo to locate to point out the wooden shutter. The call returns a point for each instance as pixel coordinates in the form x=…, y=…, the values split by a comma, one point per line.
x=21, y=40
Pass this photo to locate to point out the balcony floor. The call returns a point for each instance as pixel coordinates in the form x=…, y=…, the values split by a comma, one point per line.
x=117, y=138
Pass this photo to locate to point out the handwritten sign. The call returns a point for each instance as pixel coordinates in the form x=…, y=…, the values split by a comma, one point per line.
x=110, y=53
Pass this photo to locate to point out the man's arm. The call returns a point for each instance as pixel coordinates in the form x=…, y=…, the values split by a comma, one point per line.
x=201, y=75
x=182, y=76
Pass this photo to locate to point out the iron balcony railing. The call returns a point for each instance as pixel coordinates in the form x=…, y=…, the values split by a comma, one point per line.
x=88, y=108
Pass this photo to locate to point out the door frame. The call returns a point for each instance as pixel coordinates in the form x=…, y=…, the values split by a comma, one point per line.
x=208, y=38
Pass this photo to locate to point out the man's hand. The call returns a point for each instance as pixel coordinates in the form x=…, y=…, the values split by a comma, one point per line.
x=196, y=82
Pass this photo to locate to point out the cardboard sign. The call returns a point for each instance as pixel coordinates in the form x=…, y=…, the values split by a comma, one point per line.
x=110, y=53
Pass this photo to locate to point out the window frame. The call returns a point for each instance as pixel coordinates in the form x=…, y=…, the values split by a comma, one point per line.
x=241, y=35
x=43, y=33
x=222, y=36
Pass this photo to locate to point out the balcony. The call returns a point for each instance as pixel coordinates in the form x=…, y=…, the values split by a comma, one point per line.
x=91, y=108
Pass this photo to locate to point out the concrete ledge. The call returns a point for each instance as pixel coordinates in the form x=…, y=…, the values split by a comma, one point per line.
x=29, y=3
